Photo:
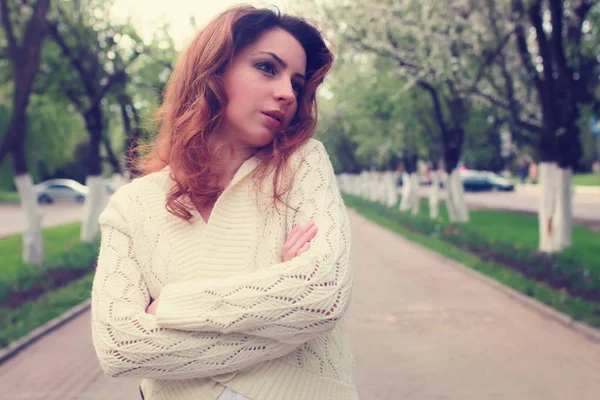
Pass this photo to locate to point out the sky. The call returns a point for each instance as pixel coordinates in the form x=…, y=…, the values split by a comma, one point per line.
x=145, y=13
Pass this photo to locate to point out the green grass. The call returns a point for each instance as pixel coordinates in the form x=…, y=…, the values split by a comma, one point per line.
x=16, y=323
x=9, y=197
x=56, y=240
x=523, y=231
x=592, y=179
x=503, y=226
x=62, y=249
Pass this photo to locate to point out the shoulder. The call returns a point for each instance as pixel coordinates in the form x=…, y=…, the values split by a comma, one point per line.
x=146, y=194
x=312, y=166
x=312, y=146
x=311, y=155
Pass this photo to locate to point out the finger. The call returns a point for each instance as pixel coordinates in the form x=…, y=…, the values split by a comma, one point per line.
x=293, y=237
x=303, y=249
x=305, y=238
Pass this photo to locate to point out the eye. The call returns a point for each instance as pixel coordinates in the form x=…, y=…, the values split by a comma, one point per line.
x=267, y=67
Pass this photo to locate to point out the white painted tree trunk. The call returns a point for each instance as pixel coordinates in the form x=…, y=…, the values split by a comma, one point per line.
x=33, y=245
x=406, y=188
x=434, y=196
x=118, y=180
x=94, y=204
x=455, y=198
x=415, y=195
x=556, y=211
x=391, y=189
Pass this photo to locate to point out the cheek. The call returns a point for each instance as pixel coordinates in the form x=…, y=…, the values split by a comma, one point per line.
x=242, y=99
x=292, y=112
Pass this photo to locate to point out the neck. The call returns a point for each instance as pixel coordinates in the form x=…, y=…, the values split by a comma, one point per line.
x=231, y=158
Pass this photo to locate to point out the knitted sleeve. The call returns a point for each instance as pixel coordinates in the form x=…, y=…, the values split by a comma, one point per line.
x=128, y=342
x=292, y=301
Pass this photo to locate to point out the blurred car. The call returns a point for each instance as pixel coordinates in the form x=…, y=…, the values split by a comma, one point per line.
x=485, y=181
x=60, y=190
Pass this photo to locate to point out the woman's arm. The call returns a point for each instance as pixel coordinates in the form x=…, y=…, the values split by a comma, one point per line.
x=293, y=301
x=129, y=342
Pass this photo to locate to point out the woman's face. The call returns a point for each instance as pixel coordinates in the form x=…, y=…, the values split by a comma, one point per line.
x=263, y=84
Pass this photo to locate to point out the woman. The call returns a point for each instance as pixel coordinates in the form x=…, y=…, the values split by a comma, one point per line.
x=224, y=271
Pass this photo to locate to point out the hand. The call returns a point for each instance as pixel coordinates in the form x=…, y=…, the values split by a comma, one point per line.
x=152, y=307
x=298, y=241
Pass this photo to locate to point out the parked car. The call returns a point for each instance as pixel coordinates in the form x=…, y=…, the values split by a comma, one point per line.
x=480, y=181
x=60, y=190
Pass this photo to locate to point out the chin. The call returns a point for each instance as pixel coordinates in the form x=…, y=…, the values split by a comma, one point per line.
x=261, y=140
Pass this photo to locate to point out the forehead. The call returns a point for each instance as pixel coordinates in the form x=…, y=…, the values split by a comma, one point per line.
x=282, y=44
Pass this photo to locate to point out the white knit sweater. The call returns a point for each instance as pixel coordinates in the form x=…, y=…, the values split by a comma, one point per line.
x=230, y=312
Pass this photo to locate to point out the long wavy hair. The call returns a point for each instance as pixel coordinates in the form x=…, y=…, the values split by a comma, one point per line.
x=195, y=101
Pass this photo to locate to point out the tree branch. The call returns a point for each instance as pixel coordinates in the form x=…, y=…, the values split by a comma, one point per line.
x=556, y=17
x=535, y=16
x=523, y=49
x=437, y=106
x=75, y=61
x=490, y=58
x=13, y=46
x=113, y=79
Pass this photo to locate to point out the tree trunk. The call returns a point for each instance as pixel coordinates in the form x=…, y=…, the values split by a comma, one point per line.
x=434, y=196
x=391, y=188
x=455, y=198
x=94, y=204
x=406, y=190
x=33, y=249
x=415, y=195
x=555, y=216
x=118, y=180
x=94, y=201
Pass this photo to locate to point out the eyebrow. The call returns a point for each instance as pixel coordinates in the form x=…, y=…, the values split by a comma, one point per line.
x=282, y=63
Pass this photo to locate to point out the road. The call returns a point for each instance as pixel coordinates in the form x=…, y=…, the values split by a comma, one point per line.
x=585, y=206
x=421, y=326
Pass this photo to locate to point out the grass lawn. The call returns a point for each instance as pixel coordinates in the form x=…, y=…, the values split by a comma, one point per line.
x=56, y=240
x=9, y=197
x=18, y=322
x=40, y=296
x=587, y=179
x=503, y=227
x=523, y=231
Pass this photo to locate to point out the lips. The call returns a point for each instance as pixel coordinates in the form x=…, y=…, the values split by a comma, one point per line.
x=274, y=118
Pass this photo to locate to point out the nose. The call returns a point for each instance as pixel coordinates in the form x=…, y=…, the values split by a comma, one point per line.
x=284, y=92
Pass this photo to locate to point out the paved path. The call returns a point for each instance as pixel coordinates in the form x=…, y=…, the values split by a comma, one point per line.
x=421, y=328
x=13, y=218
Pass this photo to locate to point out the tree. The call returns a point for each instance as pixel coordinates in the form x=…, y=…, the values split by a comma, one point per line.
x=89, y=44
x=434, y=46
x=25, y=60
x=556, y=47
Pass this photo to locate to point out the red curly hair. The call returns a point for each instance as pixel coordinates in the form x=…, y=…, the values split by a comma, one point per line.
x=194, y=103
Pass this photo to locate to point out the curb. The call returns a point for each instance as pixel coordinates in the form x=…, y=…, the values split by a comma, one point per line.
x=587, y=331
x=15, y=347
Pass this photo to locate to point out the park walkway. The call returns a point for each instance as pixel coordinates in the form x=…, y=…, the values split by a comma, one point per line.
x=422, y=328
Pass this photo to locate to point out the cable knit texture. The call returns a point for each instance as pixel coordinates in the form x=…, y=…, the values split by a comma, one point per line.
x=231, y=313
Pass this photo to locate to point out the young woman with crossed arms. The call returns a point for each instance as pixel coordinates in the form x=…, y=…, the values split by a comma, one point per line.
x=224, y=270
